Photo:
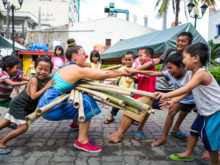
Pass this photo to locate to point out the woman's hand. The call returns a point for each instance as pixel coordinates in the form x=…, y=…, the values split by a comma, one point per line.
x=50, y=84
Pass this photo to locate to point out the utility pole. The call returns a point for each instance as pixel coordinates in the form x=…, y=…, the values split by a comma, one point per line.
x=7, y=21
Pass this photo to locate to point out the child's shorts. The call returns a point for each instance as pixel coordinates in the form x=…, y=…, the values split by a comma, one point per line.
x=5, y=103
x=135, y=116
x=187, y=107
x=208, y=128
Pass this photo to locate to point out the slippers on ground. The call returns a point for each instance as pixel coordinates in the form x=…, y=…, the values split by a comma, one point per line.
x=107, y=121
x=180, y=135
x=180, y=157
x=6, y=152
x=137, y=135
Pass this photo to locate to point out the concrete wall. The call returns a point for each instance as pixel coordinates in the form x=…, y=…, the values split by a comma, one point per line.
x=49, y=37
x=88, y=34
x=214, y=21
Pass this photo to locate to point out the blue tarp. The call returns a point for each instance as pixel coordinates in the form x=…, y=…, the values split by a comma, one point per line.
x=39, y=46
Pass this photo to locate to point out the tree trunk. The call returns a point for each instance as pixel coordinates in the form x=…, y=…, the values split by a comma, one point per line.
x=177, y=12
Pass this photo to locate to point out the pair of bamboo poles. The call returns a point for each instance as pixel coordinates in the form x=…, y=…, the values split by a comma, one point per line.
x=111, y=95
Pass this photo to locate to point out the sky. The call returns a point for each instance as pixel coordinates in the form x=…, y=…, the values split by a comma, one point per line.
x=94, y=9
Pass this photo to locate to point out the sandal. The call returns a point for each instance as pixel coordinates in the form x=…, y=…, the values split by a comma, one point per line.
x=180, y=157
x=137, y=135
x=180, y=135
x=6, y=152
x=108, y=121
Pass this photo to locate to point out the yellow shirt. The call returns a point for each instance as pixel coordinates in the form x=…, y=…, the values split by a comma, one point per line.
x=126, y=81
x=95, y=68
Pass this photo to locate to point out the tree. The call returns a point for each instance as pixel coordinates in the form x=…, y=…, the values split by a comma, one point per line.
x=164, y=4
x=215, y=49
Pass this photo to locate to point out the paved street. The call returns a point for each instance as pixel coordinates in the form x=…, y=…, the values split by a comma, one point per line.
x=51, y=143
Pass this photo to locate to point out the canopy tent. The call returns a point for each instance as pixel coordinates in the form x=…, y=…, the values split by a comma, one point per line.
x=6, y=43
x=160, y=41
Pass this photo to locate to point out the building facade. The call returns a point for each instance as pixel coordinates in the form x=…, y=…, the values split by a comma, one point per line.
x=23, y=22
x=105, y=32
x=214, y=26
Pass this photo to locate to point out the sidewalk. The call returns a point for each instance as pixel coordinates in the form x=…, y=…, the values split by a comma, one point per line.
x=51, y=143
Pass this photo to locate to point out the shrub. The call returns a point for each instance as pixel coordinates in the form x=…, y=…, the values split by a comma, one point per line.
x=216, y=73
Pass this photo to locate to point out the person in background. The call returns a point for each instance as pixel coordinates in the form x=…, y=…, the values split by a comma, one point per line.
x=9, y=78
x=124, y=81
x=59, y=58
x=95, y=60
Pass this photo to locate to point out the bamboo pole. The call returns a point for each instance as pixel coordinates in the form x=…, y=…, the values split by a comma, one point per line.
x=131, y=102
x=76, y=99
x=71, y=98
x=110, y=104
x=108, y=89
x=94, y=93
x=81, y=114
x=134, y=91
x=46, y=108
x=31, y=117
x=118, y=106
x=112, y=67
x=116, y=101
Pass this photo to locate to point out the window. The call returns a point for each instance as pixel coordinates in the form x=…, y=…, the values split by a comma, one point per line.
x=218, y=30
x=107, y=44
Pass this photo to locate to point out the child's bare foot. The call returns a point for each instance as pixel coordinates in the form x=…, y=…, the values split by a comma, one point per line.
x=159, y=142
x=115, y=137
x=206, y=155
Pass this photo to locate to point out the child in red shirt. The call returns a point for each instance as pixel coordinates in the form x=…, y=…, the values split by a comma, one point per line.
x=145, y=83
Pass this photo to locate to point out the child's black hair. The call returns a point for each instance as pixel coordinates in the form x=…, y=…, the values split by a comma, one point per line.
x=148, y=51
x=62, y=52
x=176, y=59
x=70, y=50
x=9, y=62
x=45, y=59
x=128, y=53
x=187, y=34
x=96, y=54
x=200, y=49
x=47, y=56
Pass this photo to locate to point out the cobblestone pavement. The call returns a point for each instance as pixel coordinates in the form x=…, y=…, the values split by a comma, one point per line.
x=51, y=143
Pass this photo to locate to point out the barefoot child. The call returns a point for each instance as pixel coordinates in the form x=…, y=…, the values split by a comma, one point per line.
x=26, y=102
x=177, y=75
x=206, y=92
x=145, y=83
x=124, y=81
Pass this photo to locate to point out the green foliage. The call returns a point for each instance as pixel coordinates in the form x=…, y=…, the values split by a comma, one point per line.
x=215, y=50
x=215, y=71
x=107, y=65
